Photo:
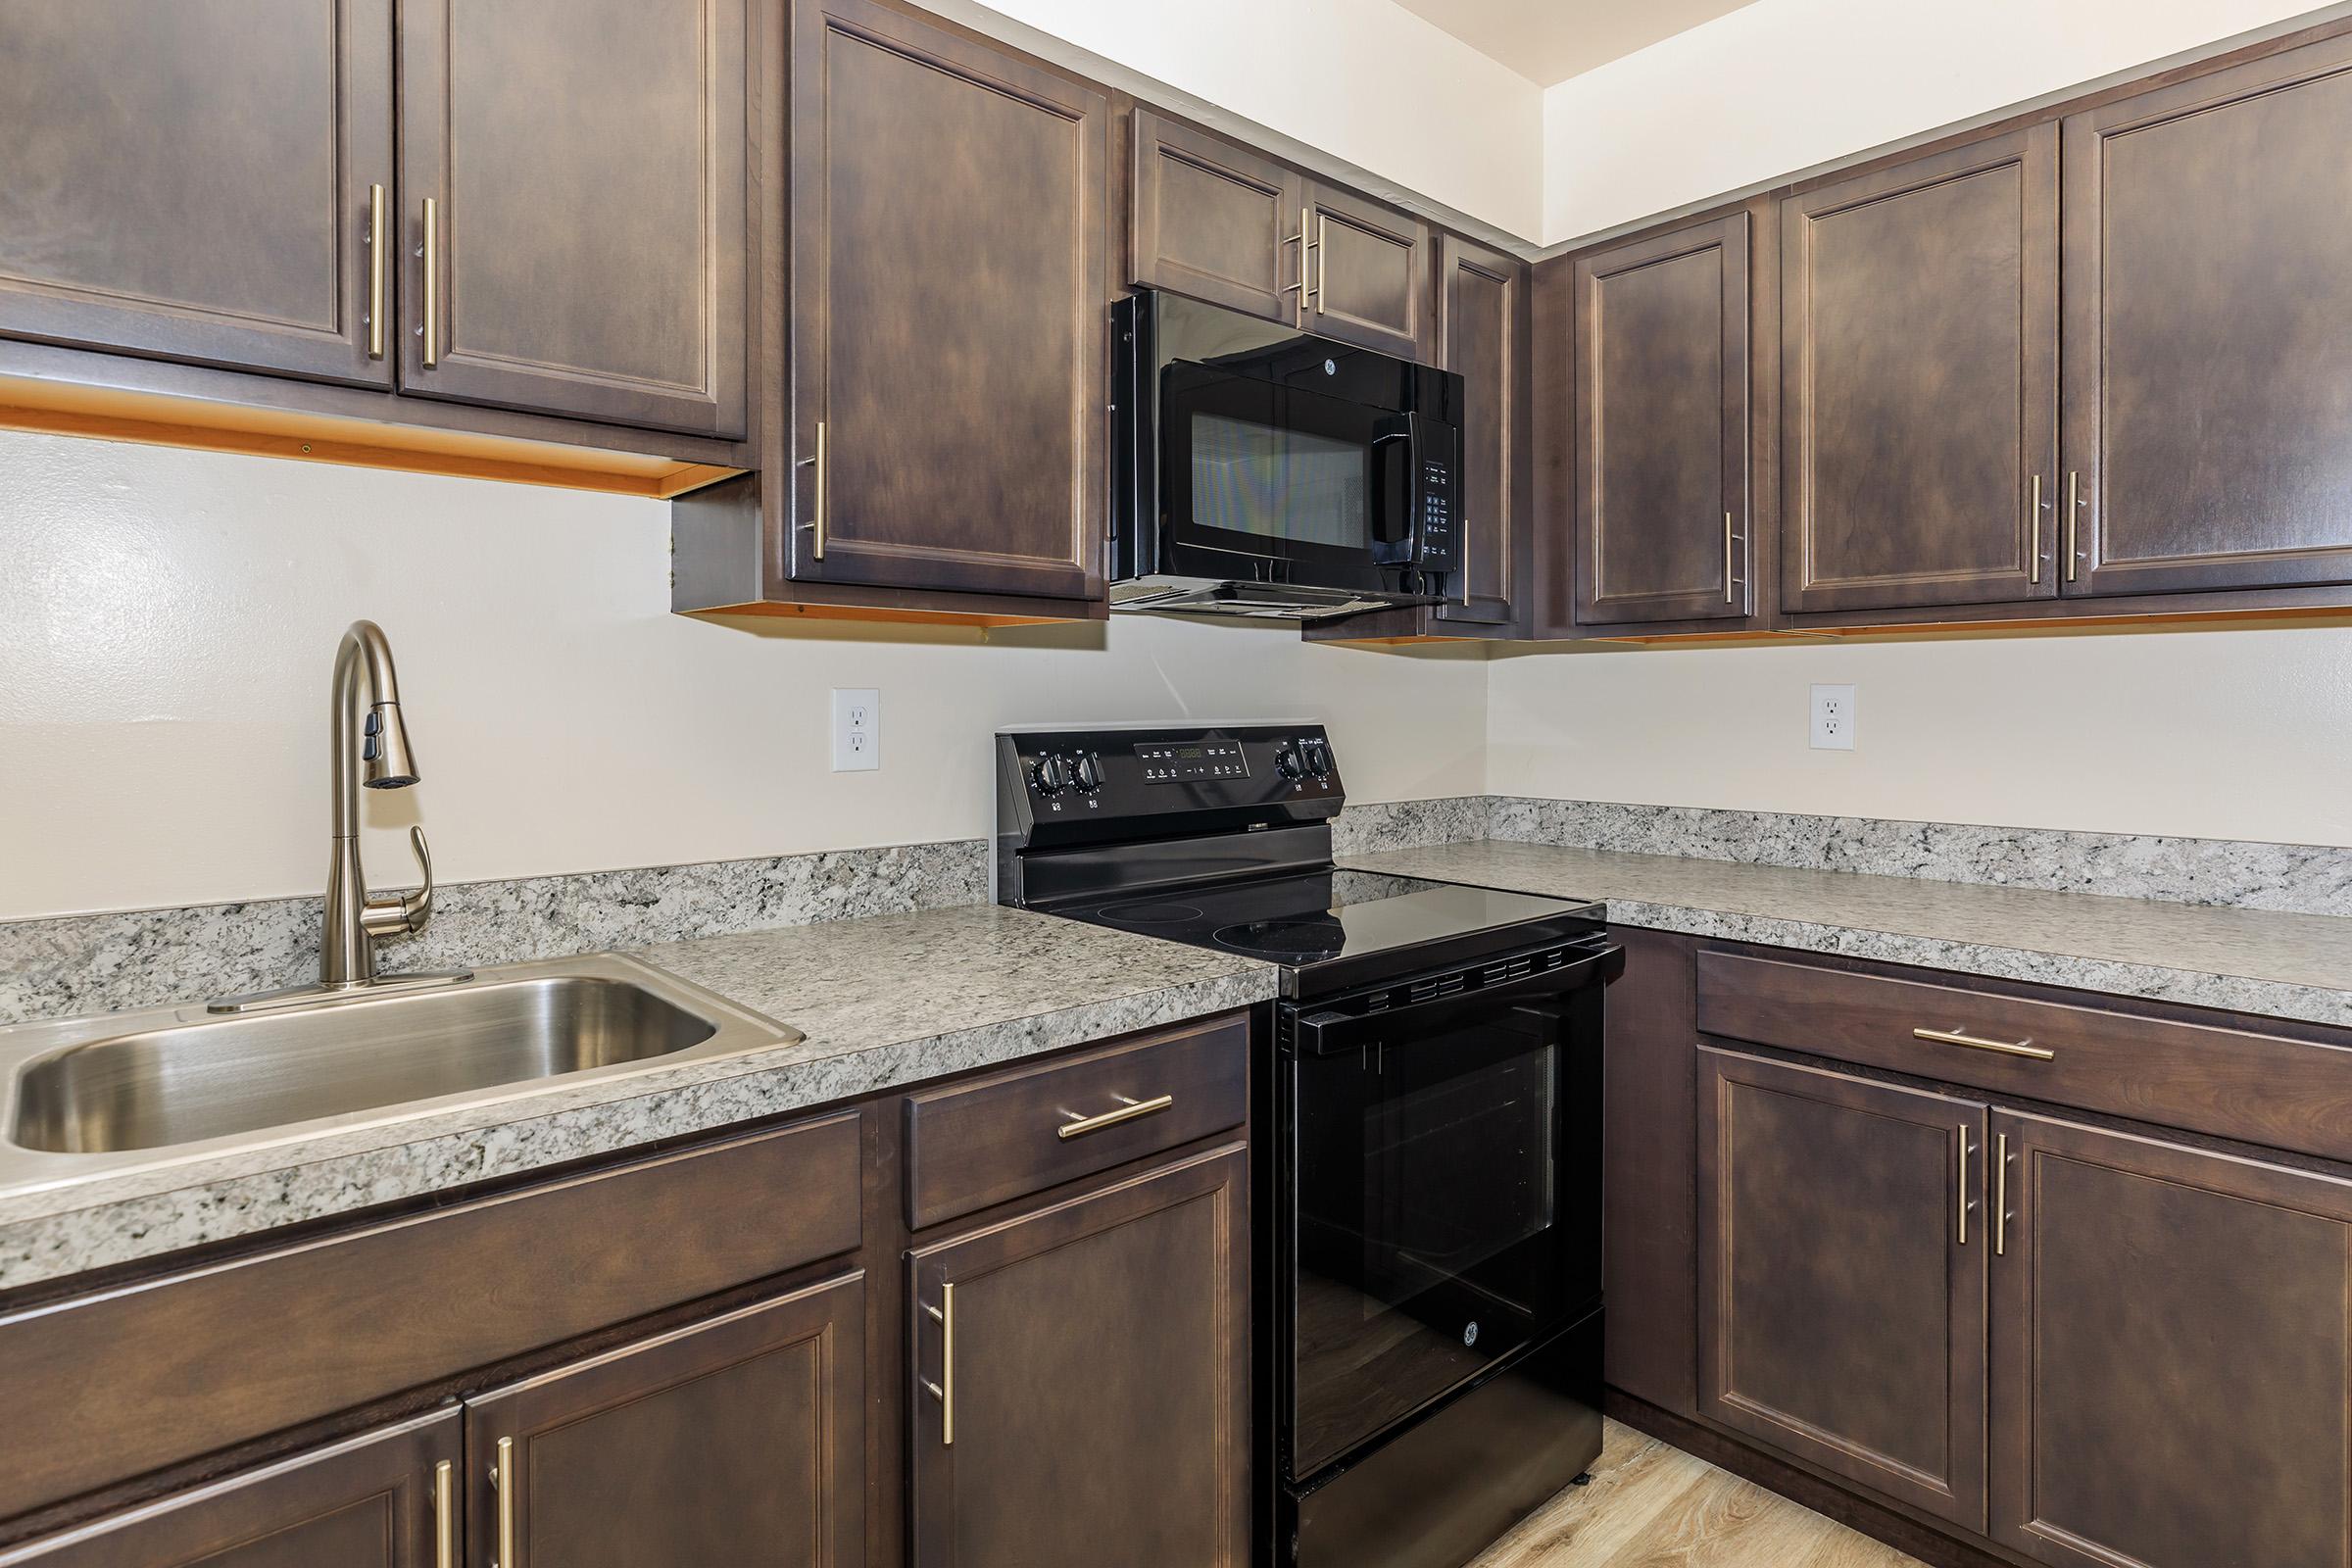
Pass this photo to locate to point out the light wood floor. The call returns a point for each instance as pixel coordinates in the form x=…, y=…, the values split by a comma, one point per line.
x=1654, y=1506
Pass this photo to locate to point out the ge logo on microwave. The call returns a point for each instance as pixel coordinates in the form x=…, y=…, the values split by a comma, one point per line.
x=1470, y=1332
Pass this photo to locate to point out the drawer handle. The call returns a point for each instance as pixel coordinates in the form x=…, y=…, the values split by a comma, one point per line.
x=2007, y=1048
x=1080, y=1126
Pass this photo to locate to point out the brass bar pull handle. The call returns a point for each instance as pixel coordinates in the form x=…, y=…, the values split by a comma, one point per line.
x=944, y=1390
x=816, y=518
x=2000, y=1195
x=1729, y=580
x=503, y=1479
x=2074, y=505
x=2034, y=550
x=445, y=1518
x=432, y=282
x=1080, y=1126
x=1300, y=287
x=377, y=247
x=1314, y=295
x=1964, y=1205
x=2007, y=1048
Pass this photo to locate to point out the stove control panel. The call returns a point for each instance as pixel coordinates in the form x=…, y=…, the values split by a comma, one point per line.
x=1158, y=780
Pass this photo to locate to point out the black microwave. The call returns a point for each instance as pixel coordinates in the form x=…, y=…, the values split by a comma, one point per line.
x=1261, y=470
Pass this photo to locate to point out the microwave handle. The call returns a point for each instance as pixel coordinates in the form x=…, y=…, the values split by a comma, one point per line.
x=1392, y=500
x=1326, y=1034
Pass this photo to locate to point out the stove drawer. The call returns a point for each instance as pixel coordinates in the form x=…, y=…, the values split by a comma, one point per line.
x=976, y=1144
x=2203, y=1077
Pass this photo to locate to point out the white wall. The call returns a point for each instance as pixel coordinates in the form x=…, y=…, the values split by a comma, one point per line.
x=167, y=621
x=1779, y=85
x=2241, y=734
x=1364, y=80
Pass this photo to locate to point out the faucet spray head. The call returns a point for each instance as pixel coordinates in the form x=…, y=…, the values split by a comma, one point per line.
x=385, y=761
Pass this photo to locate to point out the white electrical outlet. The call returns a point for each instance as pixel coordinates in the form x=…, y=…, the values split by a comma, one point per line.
x=856, y=729
x=1833, y=718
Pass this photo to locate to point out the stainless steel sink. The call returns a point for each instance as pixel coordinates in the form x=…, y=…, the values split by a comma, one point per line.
x=179, y=1077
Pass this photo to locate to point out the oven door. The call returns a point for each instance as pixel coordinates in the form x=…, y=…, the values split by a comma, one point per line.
x=1280, y=484
x=1446, y=1195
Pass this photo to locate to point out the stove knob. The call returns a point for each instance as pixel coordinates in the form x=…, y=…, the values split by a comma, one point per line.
x=1051, y=775
x=1318, y=756
x=1089, y=773
x=1289, y=763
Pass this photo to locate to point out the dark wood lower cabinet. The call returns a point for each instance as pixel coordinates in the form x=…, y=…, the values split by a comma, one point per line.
x=740, y=1439
x=368, y=1503
x=1078, y=1380
x=1841, y=1272
x=2169, y=1376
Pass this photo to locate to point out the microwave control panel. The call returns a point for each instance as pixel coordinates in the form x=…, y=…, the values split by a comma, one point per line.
x=1436, y=521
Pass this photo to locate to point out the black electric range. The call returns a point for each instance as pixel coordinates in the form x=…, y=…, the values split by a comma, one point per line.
x=1426, y=1145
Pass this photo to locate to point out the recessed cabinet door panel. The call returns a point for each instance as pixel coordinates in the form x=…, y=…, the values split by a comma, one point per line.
x=1078, y=1380
x=2209, y=330
x=1661, y=427
x=1482, y=335
x=1920, y=343
x=1368, y=271
x=1213, y=220
x=2171, y=1383
x=1842, y=1296
x=192, y=181
x=585, y=158
x=949, y=311
x=366, y=1503
x=738, y=1441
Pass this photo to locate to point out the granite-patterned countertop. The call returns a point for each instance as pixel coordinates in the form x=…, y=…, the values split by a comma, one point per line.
x=884, y=1001
x=2247, y=960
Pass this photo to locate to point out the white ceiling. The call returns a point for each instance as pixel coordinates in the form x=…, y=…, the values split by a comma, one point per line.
x=1550, y=40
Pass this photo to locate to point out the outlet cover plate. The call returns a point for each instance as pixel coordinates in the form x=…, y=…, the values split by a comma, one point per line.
x=856, y=729
x=1833, y=721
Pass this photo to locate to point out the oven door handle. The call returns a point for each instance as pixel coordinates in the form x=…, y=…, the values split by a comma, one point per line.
x=1328, y=1033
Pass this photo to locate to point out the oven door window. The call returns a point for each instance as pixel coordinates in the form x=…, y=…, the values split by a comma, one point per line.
x=1282, y=474
x=1438, y=1221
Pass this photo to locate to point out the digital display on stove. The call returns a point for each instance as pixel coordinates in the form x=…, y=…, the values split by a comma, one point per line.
x=1167, y=762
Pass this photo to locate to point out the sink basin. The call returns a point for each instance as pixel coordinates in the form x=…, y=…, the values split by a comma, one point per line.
x=161, y=1081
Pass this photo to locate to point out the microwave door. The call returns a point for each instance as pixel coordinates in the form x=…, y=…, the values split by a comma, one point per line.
x=1277, y=481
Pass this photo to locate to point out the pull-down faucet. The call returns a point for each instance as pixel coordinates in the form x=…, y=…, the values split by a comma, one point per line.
x=372, y=752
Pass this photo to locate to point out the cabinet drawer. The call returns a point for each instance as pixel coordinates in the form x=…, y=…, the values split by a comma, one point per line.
x=2230, y=1082
x=126, y=1382
x=1022, y=1131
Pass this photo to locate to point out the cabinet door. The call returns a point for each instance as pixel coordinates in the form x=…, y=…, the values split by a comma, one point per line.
x=1919, y=320
x=1841, y=1276
x=1661, y=427
x=949, y=311
x=737, y=1440
x=1368, y=272
x=193, y=181
x=384, y=1499
x=1212, y=219
x=2209, y=330
x=1483, y=336
x=2170, y=1382
x=584, y=160
x=1079, y=1381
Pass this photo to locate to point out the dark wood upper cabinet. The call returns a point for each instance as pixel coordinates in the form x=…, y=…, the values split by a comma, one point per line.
x=2208, y=283
x=1213, y=220
x=1078, y=1380
x=366, y=1503
x=1483, y=335
x=1841, y=1281
x=737, y=1440
x=949, y=311
x=584, y=162
x=1919, y=321
x=2169, y=1377
x=1661, y=427
x=1368, y=269
x=194, y=184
